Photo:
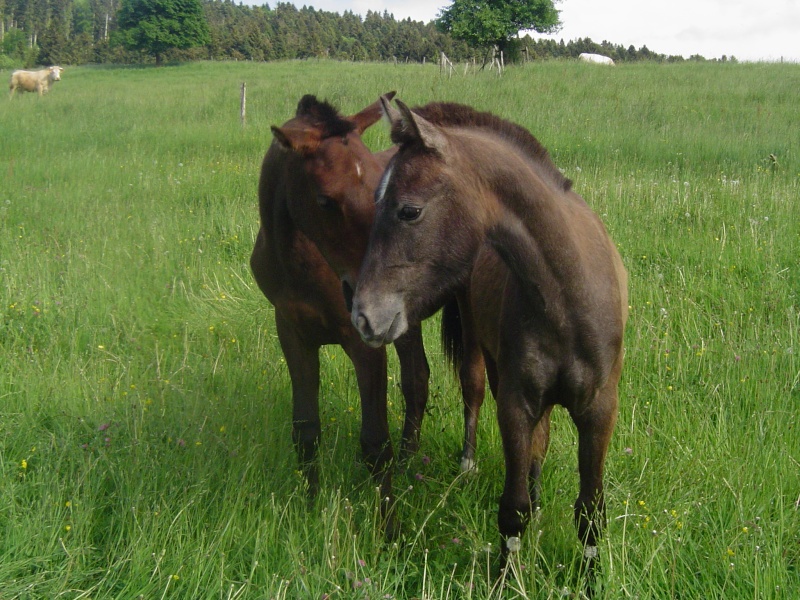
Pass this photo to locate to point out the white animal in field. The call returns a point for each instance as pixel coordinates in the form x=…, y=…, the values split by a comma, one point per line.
x=34, y=81
x=595, y=58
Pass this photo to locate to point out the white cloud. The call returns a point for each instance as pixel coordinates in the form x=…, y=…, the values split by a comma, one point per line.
x=747, y=30
x=418, y=10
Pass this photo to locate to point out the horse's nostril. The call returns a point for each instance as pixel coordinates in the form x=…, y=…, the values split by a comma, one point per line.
x=362, y=324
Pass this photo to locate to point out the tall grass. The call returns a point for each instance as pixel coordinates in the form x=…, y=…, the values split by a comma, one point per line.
x=145, y=446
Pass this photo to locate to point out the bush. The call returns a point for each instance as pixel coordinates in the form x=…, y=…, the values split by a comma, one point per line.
x=6, y=62
x=15, y=42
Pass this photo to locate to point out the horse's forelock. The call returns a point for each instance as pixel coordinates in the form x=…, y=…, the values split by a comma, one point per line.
x=324, y=116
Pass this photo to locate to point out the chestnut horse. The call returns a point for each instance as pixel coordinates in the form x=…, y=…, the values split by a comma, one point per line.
x=316, y=206
x=316, y=202
x=473, y=204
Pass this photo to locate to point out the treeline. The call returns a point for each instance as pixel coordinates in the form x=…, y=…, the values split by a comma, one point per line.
x=260, y=33
x=85, y=31
x=531, y=49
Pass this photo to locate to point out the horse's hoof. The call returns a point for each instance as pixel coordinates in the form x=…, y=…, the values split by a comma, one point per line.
x=469, y=465
x=513, y=544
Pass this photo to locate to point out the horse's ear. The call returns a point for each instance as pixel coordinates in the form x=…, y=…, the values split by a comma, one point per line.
x=301, y=140
x=390, y=113
x=413, y=128
x=370, y=115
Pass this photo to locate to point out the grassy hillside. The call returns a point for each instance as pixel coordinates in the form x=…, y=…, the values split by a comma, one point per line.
x=145, y=446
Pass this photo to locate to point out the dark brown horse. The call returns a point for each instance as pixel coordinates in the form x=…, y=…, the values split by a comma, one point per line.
x=473, y=205
x=316, y=200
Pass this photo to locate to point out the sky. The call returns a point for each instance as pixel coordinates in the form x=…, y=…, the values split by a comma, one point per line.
x=747, y=29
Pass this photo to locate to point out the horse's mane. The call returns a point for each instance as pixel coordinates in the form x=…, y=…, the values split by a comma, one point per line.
x=450, y=114
x=323, y=116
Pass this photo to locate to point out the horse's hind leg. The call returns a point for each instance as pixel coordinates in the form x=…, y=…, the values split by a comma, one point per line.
x=472, y=375
x=595, y=426
x=539, y=445
x=303, y=363
x=492, y=374
x=414, y=376
x=464, y=352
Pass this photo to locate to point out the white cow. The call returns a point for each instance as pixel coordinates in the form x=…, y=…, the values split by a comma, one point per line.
x=595, y=58
x=34, y=81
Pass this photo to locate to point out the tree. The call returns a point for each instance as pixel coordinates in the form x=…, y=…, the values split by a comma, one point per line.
x=156, y=26
x=55, y=38
x=487, y=23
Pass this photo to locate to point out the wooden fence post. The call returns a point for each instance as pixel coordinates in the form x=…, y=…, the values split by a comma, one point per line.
x=445, y=64
x=244, y=103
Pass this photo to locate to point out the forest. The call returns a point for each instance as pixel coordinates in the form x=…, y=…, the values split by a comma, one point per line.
x=74, y=32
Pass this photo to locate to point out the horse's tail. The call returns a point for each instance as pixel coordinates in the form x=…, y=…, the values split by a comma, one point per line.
x=452, y=339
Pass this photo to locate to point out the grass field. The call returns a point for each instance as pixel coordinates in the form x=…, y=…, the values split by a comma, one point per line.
x=145, y=447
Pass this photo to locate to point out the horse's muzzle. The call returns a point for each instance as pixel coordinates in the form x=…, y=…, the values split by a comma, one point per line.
x=380, y=326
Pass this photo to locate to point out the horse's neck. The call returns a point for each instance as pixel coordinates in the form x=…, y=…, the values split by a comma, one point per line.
x=520, y=251
x=529, y=230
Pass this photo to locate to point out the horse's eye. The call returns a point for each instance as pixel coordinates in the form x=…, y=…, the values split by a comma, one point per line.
x=326, y=202
x=409, y=213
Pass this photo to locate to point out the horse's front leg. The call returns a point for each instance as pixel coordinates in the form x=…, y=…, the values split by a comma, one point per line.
x=414, y=377
x=595, y=426
x=517, y=425
x=376, y=445
x=303, y=363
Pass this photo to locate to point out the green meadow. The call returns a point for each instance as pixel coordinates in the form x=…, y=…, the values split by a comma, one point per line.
x=145, y=410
